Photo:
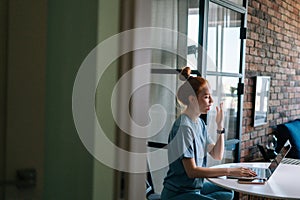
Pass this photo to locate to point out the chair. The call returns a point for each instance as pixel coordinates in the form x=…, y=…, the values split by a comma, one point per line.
x=150, y=193
x=267, y=155
x=263, y=153
x=289, y=131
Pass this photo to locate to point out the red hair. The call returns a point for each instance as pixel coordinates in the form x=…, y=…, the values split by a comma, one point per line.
x=192, y=85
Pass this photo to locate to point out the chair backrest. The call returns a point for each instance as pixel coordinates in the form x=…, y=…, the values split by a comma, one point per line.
x=149, y=185
x=151, y=194
x=289, y=131
x=263, y=152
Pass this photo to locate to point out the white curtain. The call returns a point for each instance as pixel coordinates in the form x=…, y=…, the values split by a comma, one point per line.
x=168, y=14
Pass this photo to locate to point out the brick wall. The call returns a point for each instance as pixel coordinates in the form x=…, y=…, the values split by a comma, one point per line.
x=272, y=49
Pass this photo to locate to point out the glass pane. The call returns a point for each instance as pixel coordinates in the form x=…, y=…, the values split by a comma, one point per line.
x=239, y=2
x=224, y=89
x=224, y=44
x=193, y=33
x=163, y=106
x=261, y=100
x=171, y=14
x=163, y=113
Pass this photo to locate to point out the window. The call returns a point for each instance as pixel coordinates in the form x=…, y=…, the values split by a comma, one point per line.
x=214, y=49
x=224, y=72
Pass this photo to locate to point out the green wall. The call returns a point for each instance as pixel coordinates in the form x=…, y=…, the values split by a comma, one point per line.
x=3, y=59
x=71, y=35
x=74, y=28
x=103, y=175
x=108, y=25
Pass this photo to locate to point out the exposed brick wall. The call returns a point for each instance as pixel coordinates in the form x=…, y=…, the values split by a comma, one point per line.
x=272, y=49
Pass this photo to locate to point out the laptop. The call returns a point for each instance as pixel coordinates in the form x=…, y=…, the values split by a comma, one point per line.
x=265, y=173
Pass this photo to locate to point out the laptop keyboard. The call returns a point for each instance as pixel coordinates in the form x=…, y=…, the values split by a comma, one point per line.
x=291, y=161
x=261, y=172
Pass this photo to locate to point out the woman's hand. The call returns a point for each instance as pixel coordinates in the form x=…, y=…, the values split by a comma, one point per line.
x=220, y=117
x=241, y=172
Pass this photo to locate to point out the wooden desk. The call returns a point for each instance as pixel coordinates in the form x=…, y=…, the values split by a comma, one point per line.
x=283, y=184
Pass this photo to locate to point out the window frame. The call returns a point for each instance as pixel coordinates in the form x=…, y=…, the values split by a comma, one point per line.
x=202, y=60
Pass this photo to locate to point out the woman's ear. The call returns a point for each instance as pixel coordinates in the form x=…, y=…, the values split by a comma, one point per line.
x=192, y=99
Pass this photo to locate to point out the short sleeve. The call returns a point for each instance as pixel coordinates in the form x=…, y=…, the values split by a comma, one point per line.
x=188, y=144
x=209, y=140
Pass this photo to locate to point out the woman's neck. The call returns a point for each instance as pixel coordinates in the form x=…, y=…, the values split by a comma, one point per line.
x=192, y=114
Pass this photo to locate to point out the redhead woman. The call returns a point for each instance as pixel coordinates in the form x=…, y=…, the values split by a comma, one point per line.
x=189, y=144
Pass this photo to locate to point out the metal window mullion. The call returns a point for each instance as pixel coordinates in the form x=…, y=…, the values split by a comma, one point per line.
x=241, y=84
x=230, y=5
x=202, y=37
x=211, y=73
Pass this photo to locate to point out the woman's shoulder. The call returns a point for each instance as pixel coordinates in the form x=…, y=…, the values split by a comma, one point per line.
x=186, y=119
x=181, y=125
x=183, y=120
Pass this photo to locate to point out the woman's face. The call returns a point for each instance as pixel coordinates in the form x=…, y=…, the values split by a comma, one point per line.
x=205, y=100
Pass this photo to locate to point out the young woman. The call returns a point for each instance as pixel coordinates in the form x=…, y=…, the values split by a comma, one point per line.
x=189, y=144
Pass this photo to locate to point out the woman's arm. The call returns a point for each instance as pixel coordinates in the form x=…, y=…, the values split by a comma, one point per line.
x=202, y=172
x=217, y=150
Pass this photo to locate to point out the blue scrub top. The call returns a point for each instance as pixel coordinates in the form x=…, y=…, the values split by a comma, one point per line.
x=187, y=139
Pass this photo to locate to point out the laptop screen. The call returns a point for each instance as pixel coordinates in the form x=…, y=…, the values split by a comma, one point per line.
x=275, y=162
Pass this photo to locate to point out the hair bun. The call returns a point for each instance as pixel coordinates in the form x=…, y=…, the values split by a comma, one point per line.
x=185, y=73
